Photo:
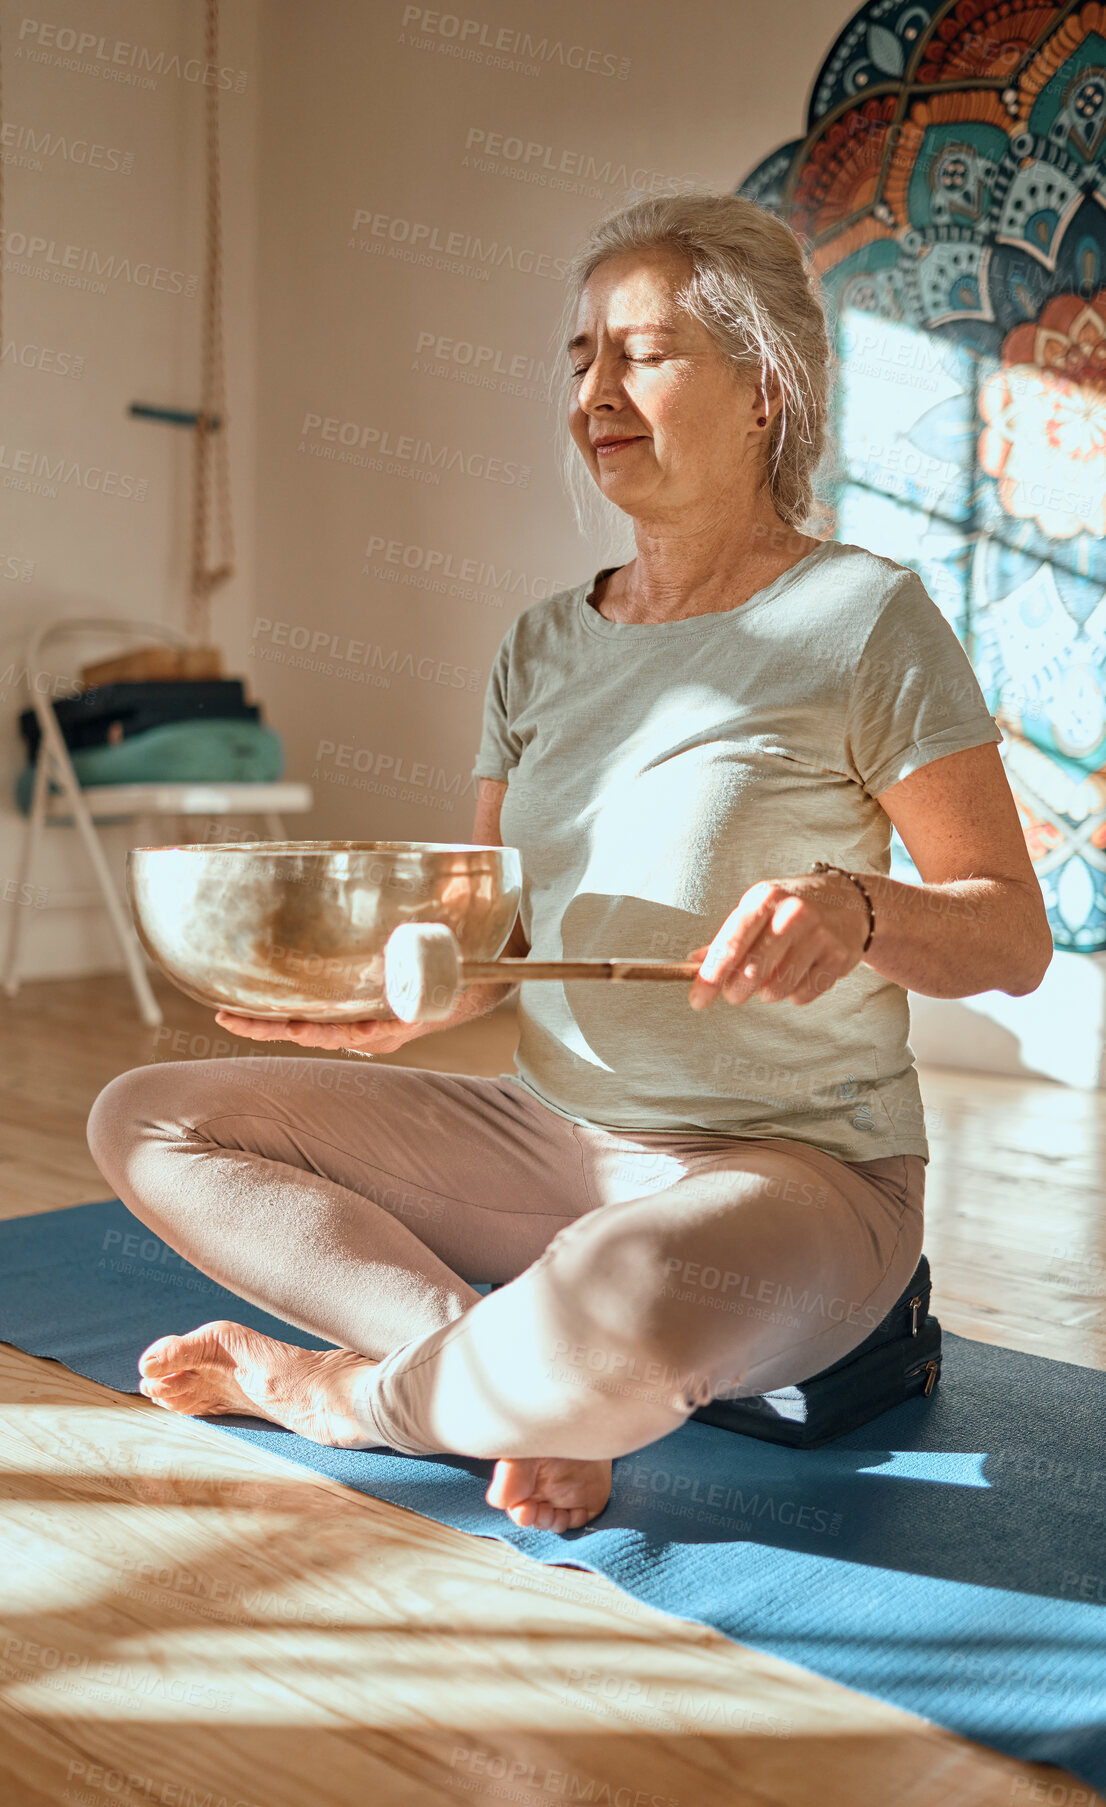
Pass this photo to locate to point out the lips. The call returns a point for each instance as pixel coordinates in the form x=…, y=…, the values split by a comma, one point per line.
x=613, y=445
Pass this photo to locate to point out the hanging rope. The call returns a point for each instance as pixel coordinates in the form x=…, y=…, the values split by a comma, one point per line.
x=211, y=471
x=1, y=210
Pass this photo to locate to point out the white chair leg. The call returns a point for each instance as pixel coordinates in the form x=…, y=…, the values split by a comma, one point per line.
x=26, y=867
x=148, y=1008
x=274, y=826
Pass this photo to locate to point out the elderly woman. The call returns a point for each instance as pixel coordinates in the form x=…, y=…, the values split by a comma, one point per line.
x=686, y=1193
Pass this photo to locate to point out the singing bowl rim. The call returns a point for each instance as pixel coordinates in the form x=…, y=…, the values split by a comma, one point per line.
x=507, y=880
x=399, y=849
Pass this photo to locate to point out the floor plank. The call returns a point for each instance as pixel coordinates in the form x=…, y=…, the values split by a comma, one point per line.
x=184, y=1615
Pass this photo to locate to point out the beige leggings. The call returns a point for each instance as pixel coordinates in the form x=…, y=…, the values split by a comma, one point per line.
x=648, y=1271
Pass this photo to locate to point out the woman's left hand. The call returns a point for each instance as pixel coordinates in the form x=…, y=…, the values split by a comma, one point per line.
x=789, y=938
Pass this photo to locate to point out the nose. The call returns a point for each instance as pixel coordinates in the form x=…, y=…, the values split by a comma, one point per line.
x=599, y=387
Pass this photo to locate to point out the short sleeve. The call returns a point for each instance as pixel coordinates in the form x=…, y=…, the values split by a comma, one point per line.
x=915, y=697
x=499, y=746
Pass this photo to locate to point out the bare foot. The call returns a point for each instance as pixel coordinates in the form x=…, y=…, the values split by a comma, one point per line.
x=551, y=1493
x=222, y=1368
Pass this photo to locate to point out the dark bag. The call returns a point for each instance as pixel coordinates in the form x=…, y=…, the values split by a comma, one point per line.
x=900, y=1359
x=112, y=712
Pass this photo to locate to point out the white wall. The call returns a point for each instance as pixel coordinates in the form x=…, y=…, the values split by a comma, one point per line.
x=376, y=124
x=349, y=115
x=102, y=150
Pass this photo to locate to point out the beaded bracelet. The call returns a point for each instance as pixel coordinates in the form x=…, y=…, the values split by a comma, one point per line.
x=824, y=866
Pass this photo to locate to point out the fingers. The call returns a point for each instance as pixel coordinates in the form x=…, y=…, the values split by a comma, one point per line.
x=253, y=1028
x=368, y=1034
x=755, y=942
x=374, y=1035
x=781, y=950
x=779, y=958
x=317, y=1035
x=733, y=940
x=815, y=985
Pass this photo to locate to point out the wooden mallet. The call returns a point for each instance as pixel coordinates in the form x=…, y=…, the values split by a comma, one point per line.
x=424, y=973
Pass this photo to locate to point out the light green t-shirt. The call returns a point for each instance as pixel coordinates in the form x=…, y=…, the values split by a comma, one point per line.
x=654, y=773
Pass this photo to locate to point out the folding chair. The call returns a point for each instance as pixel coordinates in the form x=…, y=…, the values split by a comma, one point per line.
x=83, y=808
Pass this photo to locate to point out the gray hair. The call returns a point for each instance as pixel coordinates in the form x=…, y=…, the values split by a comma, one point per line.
x=753, y=285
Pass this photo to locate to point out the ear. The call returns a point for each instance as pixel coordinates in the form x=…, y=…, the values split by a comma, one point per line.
x=769, y=399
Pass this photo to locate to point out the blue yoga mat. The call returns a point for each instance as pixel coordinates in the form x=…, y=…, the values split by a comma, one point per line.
x=949, y=1558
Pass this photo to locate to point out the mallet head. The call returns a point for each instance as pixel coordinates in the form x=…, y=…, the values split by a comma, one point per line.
x=422, y=972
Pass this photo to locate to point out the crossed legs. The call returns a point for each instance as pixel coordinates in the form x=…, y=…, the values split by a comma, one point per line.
x=644, y=1273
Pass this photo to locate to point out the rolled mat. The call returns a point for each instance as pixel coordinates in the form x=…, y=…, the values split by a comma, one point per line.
x=949, y=1557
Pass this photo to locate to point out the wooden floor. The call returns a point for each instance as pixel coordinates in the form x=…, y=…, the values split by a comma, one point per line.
x=189, y=1622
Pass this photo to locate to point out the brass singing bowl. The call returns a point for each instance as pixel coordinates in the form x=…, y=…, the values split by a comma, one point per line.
x=298, y=928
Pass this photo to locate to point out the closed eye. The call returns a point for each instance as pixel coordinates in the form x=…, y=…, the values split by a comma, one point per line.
x=653, y=357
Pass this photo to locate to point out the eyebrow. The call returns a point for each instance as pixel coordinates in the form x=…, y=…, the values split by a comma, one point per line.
x=648, y=326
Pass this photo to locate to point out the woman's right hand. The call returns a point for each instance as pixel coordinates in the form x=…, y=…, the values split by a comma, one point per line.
x=366, y=1037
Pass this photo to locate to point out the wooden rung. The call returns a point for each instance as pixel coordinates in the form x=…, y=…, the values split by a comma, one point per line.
x=155, y=664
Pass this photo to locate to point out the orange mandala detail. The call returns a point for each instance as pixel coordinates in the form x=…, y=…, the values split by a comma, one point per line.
x=983, y=42
x=1045, y=412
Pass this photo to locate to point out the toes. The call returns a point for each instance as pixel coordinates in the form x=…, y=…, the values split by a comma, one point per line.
x=542, y=1515
x=161, y=1358
x=186, y=1393
x=539, y=1515
x=172, y=1392
x=533, y=1493
x=209, y=1346
x=511, y=1484
x=523, y=1515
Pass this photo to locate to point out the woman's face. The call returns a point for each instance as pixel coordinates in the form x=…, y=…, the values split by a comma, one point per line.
x=679, y=418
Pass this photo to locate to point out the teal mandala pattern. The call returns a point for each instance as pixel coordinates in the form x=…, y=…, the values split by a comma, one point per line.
x=951, y=189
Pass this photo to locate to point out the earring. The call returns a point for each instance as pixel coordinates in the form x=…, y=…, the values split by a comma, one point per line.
x=762, y=420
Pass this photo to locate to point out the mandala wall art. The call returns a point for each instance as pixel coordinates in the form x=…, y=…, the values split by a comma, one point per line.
x=951, y=187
